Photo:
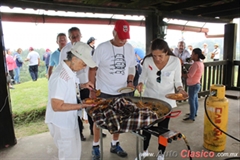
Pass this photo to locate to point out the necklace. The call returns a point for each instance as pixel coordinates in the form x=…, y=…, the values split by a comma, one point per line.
x=117, y=54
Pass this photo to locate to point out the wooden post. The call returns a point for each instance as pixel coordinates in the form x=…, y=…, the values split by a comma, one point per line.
x=151, y=29
x=229, y=51
x=7, y=135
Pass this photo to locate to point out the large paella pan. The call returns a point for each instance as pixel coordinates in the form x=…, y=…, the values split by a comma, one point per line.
x=125, y=114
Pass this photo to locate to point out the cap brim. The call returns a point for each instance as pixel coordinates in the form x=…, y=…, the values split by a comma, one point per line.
x=89, y=62
x=127, y=36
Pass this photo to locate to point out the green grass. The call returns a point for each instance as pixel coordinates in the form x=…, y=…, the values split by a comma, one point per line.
x=31, y=128
x=28, y=101
x=29, y=96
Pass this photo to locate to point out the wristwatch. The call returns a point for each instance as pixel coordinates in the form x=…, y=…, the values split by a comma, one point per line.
x=129, y=81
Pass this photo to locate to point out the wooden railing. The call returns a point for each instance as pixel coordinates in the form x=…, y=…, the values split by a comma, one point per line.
x=216, y=73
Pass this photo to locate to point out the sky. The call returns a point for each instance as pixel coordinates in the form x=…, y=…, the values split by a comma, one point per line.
x=43, y=35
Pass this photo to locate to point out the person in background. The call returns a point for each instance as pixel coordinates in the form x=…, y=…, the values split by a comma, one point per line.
x=190, y=48
x=46, y=58
x=193, y=82
x=161, y=74
x=85, y=93
x=205, y=49
x=19, y=63
x=11, y=65
x=215, y=53
x=181, y=52
x=62, y=107
x=54, y=57
x=91, y=43
x=115, y=69
x=34, y=61
x=139, y=53
x=184, y=55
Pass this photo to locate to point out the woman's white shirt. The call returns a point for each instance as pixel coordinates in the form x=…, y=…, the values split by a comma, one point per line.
x=170, y=77
x=62, y=85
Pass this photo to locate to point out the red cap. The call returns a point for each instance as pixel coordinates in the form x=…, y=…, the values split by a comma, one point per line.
x=122, y=28
x=31, y=49
x=47, y=50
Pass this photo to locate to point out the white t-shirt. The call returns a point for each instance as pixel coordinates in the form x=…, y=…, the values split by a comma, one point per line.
x=113, y=66
x=183, y=55
x=170, y=78
x=217, y=56
x=33, y=57
x=62, y=86
x=82, y=74
x=205, y=50
x=63, y=53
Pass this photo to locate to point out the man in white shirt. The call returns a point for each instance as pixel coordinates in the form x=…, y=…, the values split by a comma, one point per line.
x=215, y=53
x=34, y=61
x=115, y=69
x=205, y=50
x=181, y=52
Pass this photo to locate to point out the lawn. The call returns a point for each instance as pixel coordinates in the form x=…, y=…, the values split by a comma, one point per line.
x=29, y=96
x=29, y=102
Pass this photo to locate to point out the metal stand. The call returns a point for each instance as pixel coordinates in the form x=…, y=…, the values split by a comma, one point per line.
x=101, y=144
x=156, y=131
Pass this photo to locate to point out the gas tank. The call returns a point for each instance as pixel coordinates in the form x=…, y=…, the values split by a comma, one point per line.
x=217, y=109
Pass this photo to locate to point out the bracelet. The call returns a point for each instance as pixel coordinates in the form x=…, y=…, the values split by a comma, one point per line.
x=129, y=81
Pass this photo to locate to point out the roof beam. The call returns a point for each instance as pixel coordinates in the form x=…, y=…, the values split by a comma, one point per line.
x=224, y=13
x=145, y=3
x=195, y=18
x=187, y=4
x=214, y=9
x=73, y=7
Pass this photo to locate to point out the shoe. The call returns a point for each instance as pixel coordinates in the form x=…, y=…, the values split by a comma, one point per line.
x=143, y=155
x=188, y=120
x=118, y=150
x=96, y=153
x=160, y=157
x=188, y=114
x=11, y=87
x=83, y=138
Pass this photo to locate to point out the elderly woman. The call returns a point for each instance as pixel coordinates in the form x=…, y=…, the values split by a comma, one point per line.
x=62, y=107
x=161, y=74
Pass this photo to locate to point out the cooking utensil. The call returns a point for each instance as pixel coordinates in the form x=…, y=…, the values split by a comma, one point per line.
x=140, y=96
x=157, y=102
x=97, y=92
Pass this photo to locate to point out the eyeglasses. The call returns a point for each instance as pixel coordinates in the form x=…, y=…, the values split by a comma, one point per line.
x=158, y=79
x=76, y=36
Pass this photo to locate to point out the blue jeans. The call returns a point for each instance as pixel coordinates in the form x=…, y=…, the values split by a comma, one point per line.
x=17, y=75
x=193, y=99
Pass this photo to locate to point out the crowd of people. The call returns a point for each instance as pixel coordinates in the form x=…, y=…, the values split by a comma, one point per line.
x=76, y=69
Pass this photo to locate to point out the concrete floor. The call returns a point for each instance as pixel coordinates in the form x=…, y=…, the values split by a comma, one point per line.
x=41, y=146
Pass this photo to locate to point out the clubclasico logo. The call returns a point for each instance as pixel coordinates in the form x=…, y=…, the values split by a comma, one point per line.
x=170, y=153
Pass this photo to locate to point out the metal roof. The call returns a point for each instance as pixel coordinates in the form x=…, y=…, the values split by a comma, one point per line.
x=197, y=10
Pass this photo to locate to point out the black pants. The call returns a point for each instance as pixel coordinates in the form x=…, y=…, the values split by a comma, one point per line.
x=33, y=70
x=161, y=148
x=11, y=73
x=84, y=93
